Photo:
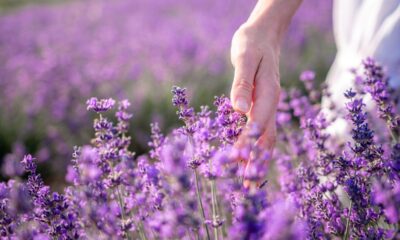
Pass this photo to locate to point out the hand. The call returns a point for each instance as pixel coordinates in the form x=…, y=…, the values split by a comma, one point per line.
x=256, y=84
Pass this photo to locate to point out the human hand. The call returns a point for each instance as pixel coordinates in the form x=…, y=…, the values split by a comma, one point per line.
x=256, y=84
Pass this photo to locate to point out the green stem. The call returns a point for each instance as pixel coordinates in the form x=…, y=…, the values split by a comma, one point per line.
x=141, y=229
x=140, y=233
x=202, y=212
x=121, y=205
x=214, y=207
x=222, y=230
x=393, y=135
x=397, y=230
x=198, y=236
x=214, y=203
x=347, y=231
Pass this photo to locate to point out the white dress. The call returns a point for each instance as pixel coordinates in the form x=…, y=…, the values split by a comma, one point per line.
x=363, y=28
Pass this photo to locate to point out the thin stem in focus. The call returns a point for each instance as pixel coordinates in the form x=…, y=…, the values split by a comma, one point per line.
x=202, y=212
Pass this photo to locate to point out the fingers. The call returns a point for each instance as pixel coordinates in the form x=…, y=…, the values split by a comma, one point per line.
x=266, y=97
x=265, y=142
x=246, y=66
x=268, y=139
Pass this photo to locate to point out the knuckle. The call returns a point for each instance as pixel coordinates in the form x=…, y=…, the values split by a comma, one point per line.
x=239, y=59
x=245, y=55
x=245, y=52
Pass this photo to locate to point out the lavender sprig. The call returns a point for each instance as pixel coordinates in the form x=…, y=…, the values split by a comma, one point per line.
x=377, y=85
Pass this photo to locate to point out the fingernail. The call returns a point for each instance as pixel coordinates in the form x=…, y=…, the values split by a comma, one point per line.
x=242, y=105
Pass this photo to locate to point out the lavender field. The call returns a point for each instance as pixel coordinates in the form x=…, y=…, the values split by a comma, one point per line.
x=194, y=184
x=97, y=141
x=54, y=57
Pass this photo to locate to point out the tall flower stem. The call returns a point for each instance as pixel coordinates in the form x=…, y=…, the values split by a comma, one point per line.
x=395, y=138
x=222, y=230
x=121, y=205
x=141, y=230
x=197, y=235
x=347, y=231
x=214, y=203
x=214, y=207
x=202, y=212
x=139, y=227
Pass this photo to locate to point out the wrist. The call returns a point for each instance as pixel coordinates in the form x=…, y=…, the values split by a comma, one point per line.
x=271, y=18
x=271, y=35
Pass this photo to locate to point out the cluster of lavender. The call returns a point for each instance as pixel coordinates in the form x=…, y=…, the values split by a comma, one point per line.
x=53, y=57
x=196, y=184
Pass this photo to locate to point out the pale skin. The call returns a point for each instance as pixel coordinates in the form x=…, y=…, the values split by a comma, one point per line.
x=255, y=54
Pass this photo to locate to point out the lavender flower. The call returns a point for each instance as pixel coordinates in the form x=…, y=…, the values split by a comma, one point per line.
x=377, y=85
x=231, y=122
x=157, y=141
x=101, y=105
x=51, y=209
x=247, y=223
x=388, y=196
x=184, y=112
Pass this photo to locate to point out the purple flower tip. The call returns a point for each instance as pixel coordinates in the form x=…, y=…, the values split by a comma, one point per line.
x=101, y=105
x=179, y=98
x=29, y=163
x=124, y=104
x=307, y=75
x=350, y=93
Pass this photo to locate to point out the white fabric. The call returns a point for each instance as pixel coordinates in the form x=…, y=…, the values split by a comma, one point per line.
x=363, y=28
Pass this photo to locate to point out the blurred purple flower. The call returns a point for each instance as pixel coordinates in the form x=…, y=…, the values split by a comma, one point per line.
x=101, y=105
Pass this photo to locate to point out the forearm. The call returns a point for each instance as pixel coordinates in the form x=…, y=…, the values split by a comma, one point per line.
x=273, y=17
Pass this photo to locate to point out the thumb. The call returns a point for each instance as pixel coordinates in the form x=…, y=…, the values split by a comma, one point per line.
x=243, y=83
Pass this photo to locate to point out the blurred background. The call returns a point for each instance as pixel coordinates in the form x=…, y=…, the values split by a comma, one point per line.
x=55, y=54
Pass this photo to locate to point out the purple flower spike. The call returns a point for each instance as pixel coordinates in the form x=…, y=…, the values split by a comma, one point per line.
x=179, y=99
x=376, y=83
x=101, y=105
x=29, y=164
